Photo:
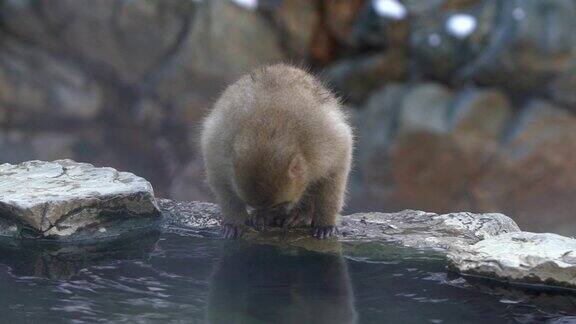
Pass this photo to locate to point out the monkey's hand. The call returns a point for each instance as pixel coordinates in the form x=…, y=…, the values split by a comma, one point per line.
x=258, y=220
x=323, y=232
x=295, y=219
x=232, y=230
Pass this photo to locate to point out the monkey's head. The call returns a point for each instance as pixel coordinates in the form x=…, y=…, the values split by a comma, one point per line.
x=271, y=183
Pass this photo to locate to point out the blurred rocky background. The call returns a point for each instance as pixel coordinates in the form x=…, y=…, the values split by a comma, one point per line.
x=458, y=104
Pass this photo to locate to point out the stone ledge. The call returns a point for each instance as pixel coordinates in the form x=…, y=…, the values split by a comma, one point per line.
x=410, y=228
x=523, y=257
x=66, y=200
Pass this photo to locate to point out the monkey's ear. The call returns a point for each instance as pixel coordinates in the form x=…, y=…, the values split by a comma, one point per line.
x=297, y=167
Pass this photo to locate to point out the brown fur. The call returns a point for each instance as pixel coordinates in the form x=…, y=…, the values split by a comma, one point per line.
x=278, y=137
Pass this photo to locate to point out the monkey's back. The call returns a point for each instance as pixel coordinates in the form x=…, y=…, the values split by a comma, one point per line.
x=278, y=107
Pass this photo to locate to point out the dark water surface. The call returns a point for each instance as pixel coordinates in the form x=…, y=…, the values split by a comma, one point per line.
x=182, y=278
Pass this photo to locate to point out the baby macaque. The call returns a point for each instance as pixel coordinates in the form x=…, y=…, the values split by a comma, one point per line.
x=277, y=142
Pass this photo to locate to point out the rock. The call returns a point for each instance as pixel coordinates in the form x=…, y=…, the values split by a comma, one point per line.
x=14, y=148
x=541, y=125
x=65, y=200
x=382, y=25
x=340, y=18
x=125, y=42
x=182, y=100
x=538, y=258
x=420, y=145
x=38, y=88
x=480, y=113
x=3, y=115
x=536, y=56
x=296, y=21
x=537, y=177
x=487, y=41
x=426, y=230
x=354, y=79
x=426, y=147
x=561, y=89
x=64, y=62
x=189, y=216
x=437, y=52
x=438, y=172
x=378, y=122
x=533, y=176
x=233, y=40
x=424, y=109
x=419, y=8
x=17, y=146
x=409, y=227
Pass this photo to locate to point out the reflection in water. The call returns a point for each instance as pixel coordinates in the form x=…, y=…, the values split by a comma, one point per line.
x=62, y=261
x=189, y=279
x=547, y=299
x=262, y=284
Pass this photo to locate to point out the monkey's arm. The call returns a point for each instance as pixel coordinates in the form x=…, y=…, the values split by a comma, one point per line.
x=234, y=214
x=328, y=195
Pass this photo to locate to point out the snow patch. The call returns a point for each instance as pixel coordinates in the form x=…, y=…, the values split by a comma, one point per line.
x=390, y=9
x=246, y=4
x=461, y=25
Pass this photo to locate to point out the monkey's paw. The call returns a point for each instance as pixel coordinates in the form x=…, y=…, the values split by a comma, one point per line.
x=323, y=232
x=232, y=231
x=294, y=219
x=258, y=221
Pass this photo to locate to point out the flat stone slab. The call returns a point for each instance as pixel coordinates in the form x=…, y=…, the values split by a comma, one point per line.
x=538, y=258
x=64, y=198
x=420, y=229
x=410, y=228
x=195, y=216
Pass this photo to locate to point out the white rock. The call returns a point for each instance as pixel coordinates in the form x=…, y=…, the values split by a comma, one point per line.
x=426, y=230
x=62, y=197
x=521, y=257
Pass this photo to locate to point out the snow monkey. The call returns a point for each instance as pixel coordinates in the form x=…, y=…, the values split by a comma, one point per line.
x=277, y=144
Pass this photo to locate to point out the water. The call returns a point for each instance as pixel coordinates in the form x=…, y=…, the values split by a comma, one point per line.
x=183, y=278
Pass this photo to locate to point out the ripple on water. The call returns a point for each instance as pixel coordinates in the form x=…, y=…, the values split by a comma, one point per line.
x=185, y=278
